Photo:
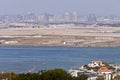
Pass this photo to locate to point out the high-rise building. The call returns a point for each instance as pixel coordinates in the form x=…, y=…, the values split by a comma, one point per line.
x=44, y=18
x=92, y=18
x=67, y=17
x=75, y=17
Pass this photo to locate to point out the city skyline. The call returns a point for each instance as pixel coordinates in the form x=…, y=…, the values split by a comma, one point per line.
x=83, y=7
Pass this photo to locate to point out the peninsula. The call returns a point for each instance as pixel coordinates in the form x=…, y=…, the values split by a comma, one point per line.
x=74, y=37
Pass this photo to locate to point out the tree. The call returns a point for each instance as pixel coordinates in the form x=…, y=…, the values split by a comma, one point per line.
x=100, y=78
x=56, y=74
x=8, y=75
x=83, y=77
x=117, y=77
x=28, y=76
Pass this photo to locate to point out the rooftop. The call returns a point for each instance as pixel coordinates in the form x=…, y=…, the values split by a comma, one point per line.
x=104, y=69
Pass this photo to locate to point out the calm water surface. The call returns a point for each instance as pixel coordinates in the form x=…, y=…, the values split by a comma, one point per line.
x=22, y=59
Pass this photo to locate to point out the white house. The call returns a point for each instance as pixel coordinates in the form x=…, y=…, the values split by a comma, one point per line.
x=95, y=64
x=105, y=72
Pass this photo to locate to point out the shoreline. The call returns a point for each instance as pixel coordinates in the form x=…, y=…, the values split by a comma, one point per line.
x=58, y=46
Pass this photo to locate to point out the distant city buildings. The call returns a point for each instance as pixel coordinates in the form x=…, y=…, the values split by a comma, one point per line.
x=92, y=18
x=46, y=19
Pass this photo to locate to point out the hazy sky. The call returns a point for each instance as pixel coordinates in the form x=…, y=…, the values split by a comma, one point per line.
x=100, y=7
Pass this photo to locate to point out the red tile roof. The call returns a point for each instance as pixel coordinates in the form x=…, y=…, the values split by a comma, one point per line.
x=104, y=69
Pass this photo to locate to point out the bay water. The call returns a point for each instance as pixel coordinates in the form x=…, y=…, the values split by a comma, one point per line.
x=26, y=58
